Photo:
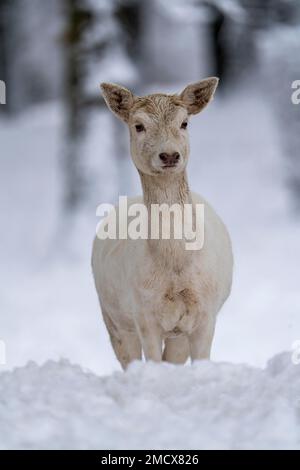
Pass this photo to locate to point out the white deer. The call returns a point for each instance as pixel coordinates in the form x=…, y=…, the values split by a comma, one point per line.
x=157, y=298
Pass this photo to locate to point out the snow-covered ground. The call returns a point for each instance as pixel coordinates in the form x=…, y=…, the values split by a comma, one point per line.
x=205, y=406
x=48, y=305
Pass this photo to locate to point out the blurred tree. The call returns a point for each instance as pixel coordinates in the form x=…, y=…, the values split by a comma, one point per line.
x=77, y=18
x=129, y=18
x=220, y=33
x=231, y=42
x=89, y=31
x=3, y=50
x=28, y=44
x=232, y=31
x=129, y=14
x=279, y=48
x=6, y=7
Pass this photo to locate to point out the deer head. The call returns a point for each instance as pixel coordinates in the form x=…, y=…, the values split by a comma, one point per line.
x=158, y=123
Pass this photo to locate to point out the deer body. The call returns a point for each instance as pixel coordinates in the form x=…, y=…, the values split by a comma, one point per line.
x=158, y=298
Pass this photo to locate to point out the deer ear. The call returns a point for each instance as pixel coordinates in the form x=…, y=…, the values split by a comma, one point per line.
x=197, y=96
x=118, y=99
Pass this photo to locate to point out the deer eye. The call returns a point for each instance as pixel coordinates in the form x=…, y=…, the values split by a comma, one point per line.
x=184, y=125
x=139, y=128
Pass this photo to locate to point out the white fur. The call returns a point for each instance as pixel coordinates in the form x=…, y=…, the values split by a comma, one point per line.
x=156, y=297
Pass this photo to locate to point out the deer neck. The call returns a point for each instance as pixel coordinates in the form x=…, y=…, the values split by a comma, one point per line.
x=166, y=189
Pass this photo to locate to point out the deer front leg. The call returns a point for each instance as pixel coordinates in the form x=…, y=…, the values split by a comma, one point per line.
x=201, y=339
x=151, y=338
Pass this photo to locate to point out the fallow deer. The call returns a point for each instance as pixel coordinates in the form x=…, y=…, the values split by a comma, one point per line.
x=157, y=298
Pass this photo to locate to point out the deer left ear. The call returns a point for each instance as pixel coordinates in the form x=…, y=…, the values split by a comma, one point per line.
x=118, y=99
x=197, y=96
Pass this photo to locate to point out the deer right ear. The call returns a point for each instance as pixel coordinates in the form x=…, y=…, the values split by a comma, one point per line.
x=197, y=96
x=118, y=99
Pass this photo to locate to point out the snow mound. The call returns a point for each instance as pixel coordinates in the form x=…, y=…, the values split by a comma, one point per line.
x=203, y=406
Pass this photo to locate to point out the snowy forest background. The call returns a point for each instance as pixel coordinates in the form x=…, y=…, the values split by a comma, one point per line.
x=62, y=153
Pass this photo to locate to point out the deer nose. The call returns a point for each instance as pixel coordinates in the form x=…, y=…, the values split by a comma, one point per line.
x=169, y=158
